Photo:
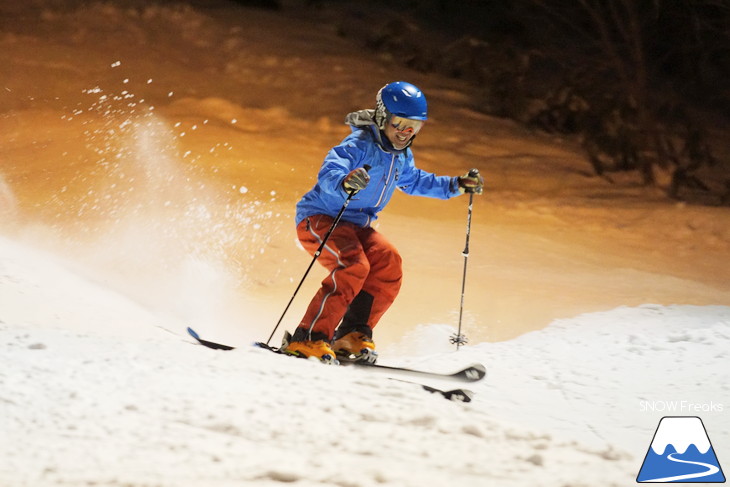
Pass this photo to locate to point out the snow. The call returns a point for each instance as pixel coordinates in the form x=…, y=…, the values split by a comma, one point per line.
x=150, y=159
x=689, y=430
x=96, y=390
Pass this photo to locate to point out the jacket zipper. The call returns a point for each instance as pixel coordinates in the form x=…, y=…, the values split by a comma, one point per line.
x=387, y=180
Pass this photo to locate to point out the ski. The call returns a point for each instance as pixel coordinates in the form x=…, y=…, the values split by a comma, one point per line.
x=471, y=373
x=206, y=343
x=459, y=395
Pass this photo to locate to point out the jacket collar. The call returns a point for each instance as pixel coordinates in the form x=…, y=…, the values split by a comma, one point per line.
x=363, y=119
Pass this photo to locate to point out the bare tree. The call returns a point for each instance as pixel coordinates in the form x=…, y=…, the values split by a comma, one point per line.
x=638, y=65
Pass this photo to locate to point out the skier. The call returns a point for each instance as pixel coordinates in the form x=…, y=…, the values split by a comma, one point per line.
x=364, y=268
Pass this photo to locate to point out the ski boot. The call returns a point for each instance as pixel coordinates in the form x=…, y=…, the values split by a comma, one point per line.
x=355, y=347
x=305, y=345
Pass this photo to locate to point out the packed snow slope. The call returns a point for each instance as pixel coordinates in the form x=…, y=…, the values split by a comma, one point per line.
x=150, y=159
x=96, y=390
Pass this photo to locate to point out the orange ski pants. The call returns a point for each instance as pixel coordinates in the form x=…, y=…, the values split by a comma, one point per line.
x=358, y=259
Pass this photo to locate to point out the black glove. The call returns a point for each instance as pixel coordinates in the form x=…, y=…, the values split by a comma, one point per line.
x=356, y=180
x=471, y=182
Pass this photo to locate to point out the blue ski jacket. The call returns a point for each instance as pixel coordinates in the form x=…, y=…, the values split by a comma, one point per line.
x=389, y=169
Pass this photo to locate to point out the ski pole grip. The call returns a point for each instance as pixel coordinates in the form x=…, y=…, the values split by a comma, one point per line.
x=352, y=193
x=474, y=172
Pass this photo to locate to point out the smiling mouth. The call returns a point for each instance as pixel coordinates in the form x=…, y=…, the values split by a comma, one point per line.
x=402, y=137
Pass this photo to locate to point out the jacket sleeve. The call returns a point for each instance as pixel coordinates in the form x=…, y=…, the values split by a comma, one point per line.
x=340, y=160
x=418, y=182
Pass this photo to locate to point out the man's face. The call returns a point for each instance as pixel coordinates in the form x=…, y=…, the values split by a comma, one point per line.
x=400, y=131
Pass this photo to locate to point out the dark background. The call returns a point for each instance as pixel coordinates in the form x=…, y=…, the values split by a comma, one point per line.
x=641, y=83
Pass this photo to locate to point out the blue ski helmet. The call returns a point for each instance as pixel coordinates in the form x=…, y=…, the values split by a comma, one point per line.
x=402, y=99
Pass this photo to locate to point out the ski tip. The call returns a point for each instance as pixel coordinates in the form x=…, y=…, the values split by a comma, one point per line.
x=480, y=368
x=472, y=373
x=459, y=395
x=193, y=333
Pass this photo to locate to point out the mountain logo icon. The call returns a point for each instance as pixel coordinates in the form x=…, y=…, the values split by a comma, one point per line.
x=680, y=452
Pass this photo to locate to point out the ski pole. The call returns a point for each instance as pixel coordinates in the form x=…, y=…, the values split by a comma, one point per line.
x=316, y=256
x=460, y=339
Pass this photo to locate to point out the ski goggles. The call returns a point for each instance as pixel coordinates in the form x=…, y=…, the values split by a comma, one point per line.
x=406, y=125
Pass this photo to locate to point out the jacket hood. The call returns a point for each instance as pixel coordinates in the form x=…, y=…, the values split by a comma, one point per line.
x=361, y=118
